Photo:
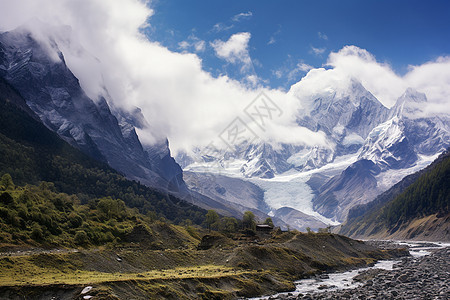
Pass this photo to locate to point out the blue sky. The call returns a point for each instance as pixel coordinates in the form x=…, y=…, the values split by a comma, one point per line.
x=285, y=34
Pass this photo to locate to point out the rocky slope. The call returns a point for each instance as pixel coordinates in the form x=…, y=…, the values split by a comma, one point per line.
x=297, y=219
x=31, y=153
x=53, y=93
x=356, y=184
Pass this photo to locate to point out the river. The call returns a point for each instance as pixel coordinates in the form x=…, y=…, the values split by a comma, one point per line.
x=344, y=280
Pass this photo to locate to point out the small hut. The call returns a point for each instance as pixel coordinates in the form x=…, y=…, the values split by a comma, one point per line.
x=264, y=228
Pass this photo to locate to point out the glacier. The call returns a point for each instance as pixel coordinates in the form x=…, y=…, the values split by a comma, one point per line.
x=372, y=148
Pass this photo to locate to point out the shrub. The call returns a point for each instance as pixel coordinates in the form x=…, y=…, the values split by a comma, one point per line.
x=6, y=182
x=81, y=237
x=6, y=198
x=37, y=233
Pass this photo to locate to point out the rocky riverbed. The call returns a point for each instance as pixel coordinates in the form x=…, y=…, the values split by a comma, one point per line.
x=414, y=277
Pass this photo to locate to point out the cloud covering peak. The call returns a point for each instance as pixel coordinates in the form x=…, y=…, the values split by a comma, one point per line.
x=103, y=44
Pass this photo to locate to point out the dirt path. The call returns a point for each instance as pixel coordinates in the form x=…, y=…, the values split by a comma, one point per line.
x=35, y=251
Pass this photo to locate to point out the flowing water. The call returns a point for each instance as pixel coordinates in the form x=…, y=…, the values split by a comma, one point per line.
x=344, y=280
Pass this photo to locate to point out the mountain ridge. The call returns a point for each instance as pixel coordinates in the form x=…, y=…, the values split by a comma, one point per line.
x=418, y=207
x=31, y=153
x=55, y=95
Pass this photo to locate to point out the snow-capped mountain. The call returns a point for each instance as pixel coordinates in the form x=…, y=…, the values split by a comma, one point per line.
x=346, y=114
x=342, y=112
x=264, y=162
x=397, y=143
x=401, y=144
x=388, y=146
x=103, y=132
x=370, y=148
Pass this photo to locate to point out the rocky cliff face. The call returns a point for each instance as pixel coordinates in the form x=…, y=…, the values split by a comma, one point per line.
x=52, y=92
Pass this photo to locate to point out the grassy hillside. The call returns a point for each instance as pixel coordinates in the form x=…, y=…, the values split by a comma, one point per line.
x=31, y=153
x=416, y=210
x=39, y=216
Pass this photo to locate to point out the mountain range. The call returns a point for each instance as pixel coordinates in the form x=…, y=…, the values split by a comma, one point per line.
x=369, y=147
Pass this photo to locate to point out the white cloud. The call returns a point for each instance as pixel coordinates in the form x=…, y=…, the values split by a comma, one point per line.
x=300, y=68
x=317, y=51
x=304, y=67
x=218, y=27
x=105, y=48
x=378, y=78
x=272, y=39
x=431, y=78
x=241, y=16
x=235, y=50
x=292, y=72
x=199, y=46
x=193, y=42
x=253, y=80
x=277, y=73
x=322, y=36
x=184, y=45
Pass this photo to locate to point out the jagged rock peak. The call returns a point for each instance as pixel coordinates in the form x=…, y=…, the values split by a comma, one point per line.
x=410, y=104
x=103, y=132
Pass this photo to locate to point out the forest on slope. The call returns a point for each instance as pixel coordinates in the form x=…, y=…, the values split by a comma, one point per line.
x=417, y=197
x=38, y=216
x=31, y=153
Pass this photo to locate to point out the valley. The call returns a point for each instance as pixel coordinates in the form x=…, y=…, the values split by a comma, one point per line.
x=216, y=150
x=421, y=275
x=233, y=266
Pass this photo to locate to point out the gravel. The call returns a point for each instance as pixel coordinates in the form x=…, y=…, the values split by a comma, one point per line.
x=426, y=277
